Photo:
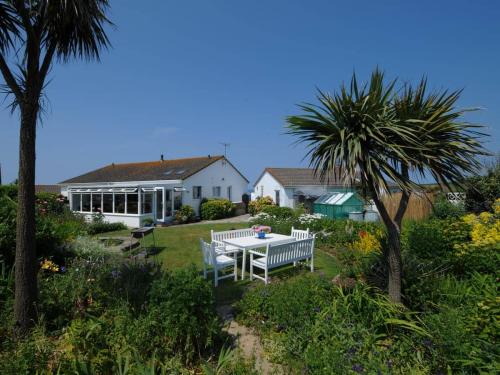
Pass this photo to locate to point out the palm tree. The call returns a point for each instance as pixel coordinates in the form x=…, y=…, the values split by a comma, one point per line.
x=370, y=135
x=34, y=34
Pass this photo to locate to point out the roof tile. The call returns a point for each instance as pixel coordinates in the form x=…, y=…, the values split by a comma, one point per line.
x=176, y=169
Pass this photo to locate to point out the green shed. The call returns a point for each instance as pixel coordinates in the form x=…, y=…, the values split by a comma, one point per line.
x=336, y=205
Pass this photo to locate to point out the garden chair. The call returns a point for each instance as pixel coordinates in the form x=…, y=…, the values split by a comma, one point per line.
x=216, y=258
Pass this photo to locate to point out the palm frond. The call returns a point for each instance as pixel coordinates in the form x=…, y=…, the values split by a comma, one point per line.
x=372, y=134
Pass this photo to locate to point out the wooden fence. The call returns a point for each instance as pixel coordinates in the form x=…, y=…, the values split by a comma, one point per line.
x=419, y=206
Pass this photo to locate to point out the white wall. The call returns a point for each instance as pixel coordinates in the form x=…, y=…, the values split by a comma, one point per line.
x=220, y=173
x=132, y=221
x=267, y=186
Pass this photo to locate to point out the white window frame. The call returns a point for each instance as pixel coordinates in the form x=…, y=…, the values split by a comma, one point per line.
x=230, y=193
x=214, y=189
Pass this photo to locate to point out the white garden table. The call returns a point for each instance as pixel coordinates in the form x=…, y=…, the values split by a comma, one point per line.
x=250, y=243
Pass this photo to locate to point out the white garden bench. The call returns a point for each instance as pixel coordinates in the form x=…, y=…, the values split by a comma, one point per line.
x=213, y=257
x=279, y=255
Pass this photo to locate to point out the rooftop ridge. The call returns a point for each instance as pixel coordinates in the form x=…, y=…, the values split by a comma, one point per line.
x=165, y=160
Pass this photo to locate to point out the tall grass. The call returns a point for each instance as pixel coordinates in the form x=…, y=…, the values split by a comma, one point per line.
x=419, y=206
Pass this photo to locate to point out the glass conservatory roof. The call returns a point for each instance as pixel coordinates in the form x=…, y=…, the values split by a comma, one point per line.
x=335, y=199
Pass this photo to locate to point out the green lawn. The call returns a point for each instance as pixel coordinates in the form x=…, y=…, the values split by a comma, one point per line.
x=179, y=247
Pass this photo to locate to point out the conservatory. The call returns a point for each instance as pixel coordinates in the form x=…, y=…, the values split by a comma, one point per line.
x=133, y=193
x=127, y=204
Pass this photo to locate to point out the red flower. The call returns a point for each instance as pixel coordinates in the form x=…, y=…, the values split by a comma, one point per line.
x=362, y=233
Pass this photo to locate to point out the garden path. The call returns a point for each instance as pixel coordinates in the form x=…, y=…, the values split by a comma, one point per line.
x=247, y=342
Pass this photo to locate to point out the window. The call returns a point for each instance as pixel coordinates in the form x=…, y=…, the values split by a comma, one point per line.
x=76, y=202
x=132, y=203
x=86, y=202
x=147, y=202
x=168, y=202
x=107, y=203
x=159, y=204
x=216, y=191
x=196, y=192
x=261, y=190
x=277, y=197
x=230, y=193
x=96, y=202
x=120, y=203
x=177, y=200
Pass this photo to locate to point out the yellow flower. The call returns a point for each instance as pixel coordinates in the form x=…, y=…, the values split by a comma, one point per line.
x=367, y=243
x=469, y=219
x=485, y=231
x=49, y=265
x=485, y=217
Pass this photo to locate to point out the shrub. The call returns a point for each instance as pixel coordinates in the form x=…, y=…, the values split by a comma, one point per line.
x=482, y=191
x=482, y=252
x=9, y=191
x=185, y=214
x=443, y=208
x=470, y=244
x=52, y=229
x=214, y=209
x=279, y=212
x=463, y=319
x=313, y=326
x=7, y=229
x=256, y=206
x=147, y=222
x=99, y=225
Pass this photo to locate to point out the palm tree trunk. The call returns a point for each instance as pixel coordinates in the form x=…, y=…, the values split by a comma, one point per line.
x=25, y=263
x=394, y=263
x=393, y=254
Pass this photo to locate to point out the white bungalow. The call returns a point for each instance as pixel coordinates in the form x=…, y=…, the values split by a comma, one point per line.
x=289, y=187
x=131, y=192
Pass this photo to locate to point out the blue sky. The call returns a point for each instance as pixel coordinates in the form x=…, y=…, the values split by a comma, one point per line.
x=183, y=76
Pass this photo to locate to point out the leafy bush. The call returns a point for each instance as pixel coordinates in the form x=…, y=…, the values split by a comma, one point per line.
x=214, y=209
x=52, y=229
x=9, y=191
x=443, y=208
x=256, y=206
x=314, y=326
x=482, y=191
x=185, y=214
x=147, y=222
x=101, y=310
x=280, y=212
x=470, y=244
x=99, y=225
